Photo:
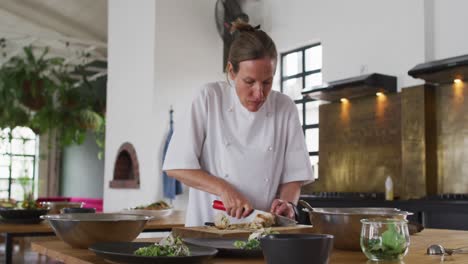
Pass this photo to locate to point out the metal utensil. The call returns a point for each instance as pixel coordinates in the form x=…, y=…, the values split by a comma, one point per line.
x=279, y=219
x=440, y=250
x=345, y=223
x=84, y=229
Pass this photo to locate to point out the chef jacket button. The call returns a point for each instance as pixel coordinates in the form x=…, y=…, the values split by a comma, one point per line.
x=230, y=109
x=270, y=148
x=268, y=114
x=227, y=144
x=226, y=176
x=266, y=179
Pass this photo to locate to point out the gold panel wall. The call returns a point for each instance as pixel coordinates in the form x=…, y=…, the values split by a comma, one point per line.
x=416, y=107
x=452, y=138
x=360, y=145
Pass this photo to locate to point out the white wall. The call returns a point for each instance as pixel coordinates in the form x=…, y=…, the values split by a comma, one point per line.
x=450, y=38
x=160, y=52
x=382, y=36
x=188, y=54
x=130, y=97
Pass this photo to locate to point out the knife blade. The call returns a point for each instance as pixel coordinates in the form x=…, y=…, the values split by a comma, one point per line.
x=279, y=219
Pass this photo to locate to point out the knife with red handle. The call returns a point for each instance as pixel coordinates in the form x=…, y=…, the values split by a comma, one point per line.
x=280, y=220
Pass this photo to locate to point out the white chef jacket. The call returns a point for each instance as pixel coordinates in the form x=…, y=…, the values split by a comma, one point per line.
x=253, y=151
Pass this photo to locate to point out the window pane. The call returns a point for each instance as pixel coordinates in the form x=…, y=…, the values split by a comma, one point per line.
x=293, y=88
x=292, y=63
x=312, y=113
x=311, y=136
x=313, y=58
x=315, y=164
x=22, y=166
x=4, y=171
x=313, y=80
x=299, y=110
x=18, y=146
x=23, y=132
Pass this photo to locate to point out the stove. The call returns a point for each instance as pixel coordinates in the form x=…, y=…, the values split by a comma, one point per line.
x=448, y=196
x=346, y=196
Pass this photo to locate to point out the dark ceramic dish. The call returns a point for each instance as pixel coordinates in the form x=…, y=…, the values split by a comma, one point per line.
x=300, y=248
x=9, y=213
x=122, y=252
x=225, y=247
x=76, y=210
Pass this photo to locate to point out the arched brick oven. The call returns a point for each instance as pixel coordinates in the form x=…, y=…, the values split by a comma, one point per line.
x=126, y=168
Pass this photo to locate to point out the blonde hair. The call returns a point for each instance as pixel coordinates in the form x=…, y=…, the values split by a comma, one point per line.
x=250, y=43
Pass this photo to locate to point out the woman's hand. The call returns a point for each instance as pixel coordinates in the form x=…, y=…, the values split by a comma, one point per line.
x=283, y=208
x=236, y=204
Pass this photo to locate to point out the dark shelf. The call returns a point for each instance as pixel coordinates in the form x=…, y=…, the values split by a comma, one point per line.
x=360, y=86
x=442, y=71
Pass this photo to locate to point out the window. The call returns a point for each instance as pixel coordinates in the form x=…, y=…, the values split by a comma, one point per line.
x=18, y=155
x=301, y=68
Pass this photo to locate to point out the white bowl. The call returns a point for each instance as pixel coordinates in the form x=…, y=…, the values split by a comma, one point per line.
x=154, y=213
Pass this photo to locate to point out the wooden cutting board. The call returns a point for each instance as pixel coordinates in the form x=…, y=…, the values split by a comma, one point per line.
x=213, y=232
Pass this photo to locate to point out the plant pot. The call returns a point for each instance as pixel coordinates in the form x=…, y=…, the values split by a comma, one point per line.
x=33, y=96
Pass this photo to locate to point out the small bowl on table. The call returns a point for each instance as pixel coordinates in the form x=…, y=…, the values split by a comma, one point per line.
x=55, y=207
x=21, y=216
x=297, y=248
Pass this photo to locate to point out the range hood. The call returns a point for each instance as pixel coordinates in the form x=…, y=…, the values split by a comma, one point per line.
x=360, y=86
x=442, y=71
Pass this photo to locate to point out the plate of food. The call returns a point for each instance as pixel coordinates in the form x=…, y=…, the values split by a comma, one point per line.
x=169, y=250
x=232, y=247
x=157, y=209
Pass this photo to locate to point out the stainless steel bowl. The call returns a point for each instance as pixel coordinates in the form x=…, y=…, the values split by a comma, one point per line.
x=84, y=229
x=345, y=223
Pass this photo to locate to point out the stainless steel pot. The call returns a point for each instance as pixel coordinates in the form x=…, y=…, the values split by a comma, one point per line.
x=84, y=229
x=345, y=223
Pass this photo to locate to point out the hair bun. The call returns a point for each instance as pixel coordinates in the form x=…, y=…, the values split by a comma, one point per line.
x=239, y=25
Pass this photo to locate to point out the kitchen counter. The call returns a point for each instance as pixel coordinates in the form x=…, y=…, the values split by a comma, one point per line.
x=449, y=238
x=176, y=219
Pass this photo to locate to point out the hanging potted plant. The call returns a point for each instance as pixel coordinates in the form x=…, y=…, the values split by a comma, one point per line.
x=39, y=92
x=31, y=77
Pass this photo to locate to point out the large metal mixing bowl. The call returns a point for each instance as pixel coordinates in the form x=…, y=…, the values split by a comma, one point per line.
x=84, y=229
x=345, y=223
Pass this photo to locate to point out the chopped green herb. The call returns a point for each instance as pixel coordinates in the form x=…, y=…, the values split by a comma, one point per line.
x=168, y=247
x=253, y=242
x=390, y=246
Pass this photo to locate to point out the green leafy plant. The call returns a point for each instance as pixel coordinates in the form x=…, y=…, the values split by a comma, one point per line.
x=39, y=92
x=390, y=246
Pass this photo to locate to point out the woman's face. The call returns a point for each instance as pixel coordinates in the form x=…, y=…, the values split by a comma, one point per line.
x=253, y=81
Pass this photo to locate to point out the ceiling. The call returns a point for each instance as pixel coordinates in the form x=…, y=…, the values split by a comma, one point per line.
x=68, y=27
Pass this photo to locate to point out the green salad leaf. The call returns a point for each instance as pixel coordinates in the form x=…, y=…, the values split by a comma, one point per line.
x=167, y=247
x=254, y=239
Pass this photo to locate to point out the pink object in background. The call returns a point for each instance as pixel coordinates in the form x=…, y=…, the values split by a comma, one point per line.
x=53, y=199
x=88, y=202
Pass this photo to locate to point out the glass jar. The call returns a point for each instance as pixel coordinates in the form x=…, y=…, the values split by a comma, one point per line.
x=384, y=239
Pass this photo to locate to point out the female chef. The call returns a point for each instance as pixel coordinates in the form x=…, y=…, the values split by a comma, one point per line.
x=241, y=143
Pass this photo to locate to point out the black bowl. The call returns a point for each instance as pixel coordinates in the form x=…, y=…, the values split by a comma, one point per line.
x=22, y=216
x=300, y=248
x=76, y=210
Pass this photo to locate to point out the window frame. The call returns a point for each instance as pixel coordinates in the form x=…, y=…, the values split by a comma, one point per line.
x=302, y=74
x=10, y=155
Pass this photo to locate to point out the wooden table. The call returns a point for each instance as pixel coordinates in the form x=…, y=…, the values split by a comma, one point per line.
x=450, y=238
x=9, y=231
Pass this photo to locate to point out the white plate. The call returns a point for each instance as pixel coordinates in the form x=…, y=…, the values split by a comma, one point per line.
x=155, y=213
